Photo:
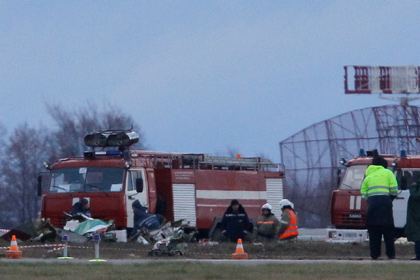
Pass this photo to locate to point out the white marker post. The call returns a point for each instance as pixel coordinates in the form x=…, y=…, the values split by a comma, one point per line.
x=65, y=240
x=97, y=240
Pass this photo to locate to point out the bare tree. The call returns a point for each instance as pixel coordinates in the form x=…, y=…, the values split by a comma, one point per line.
x=3, y=185
x=234, y=152
x=229, y=152
x=25, y=153
x=73, y=125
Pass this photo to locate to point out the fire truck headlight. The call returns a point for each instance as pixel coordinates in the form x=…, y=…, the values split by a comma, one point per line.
x=127, y=164
x=332, y=234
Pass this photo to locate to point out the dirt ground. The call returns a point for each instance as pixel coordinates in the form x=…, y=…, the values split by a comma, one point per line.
x=298, y=251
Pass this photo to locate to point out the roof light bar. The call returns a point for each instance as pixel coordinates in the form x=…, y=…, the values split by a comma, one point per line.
x=122, y=139
x=111, y=139
x=96, y=139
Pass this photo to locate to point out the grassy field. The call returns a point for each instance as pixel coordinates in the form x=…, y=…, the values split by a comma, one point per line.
x=189, y=270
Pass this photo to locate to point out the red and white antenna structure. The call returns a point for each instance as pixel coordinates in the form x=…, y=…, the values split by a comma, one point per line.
x=400, y=81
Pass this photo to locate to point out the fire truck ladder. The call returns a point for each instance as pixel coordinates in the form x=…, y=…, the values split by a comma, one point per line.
x=229, y=163
x=202, y=161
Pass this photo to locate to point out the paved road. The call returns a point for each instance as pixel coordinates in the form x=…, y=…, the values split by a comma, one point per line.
x=237, y=262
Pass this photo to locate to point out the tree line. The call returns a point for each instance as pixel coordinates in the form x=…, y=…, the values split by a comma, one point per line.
x=24, y=150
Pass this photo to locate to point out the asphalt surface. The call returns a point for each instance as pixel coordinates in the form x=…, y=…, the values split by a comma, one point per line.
x=235, y=262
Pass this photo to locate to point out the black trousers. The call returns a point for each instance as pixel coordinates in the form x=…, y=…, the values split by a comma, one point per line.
x=375, y=238
x=417, y=249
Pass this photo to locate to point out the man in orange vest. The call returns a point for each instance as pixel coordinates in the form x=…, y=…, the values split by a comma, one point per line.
x=288, y=222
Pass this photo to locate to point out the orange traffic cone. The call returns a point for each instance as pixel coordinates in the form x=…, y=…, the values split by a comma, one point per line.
x=239, y=252
x=13, y=252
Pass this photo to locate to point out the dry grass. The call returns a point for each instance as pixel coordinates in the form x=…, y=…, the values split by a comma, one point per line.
x=193, y=270
x=189, y=270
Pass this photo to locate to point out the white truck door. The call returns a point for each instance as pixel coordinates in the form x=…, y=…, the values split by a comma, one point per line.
x=400, y=208
x=184, y=203
x=131, y=193
x=275, y=194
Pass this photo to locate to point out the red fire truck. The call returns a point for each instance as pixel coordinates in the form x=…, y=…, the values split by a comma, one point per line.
x=348, y=209
x=194, y=187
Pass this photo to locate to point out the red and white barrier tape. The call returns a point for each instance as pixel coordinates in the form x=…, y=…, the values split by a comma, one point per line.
x=61, y=246
x=38, y=246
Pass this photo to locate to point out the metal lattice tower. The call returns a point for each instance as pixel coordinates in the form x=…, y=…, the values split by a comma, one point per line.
x=311, y=156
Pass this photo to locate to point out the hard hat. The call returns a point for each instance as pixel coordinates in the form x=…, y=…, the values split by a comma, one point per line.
x=266, y=206
x=285, y=202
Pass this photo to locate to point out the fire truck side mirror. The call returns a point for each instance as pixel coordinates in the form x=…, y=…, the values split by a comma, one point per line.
x=340, y=176
x=39, y=185
x=139, y=185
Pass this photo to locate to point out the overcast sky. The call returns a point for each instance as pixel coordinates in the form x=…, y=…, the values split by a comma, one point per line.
x=200, y=76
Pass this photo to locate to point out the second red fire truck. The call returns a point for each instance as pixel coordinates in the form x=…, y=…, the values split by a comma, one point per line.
x=348, y=209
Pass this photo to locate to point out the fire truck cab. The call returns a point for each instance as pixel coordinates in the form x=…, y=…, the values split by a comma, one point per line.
x=348, y=209
x=195, y=187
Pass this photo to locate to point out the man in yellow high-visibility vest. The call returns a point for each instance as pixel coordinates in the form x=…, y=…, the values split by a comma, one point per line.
x=380, y=187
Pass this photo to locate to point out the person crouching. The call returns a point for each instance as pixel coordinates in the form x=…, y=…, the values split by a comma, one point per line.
x=267, y=227
x=289, y=229
x=142, y=219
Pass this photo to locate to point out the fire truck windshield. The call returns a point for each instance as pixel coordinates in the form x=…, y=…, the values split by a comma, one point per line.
x=86, y=179
x=353, y=177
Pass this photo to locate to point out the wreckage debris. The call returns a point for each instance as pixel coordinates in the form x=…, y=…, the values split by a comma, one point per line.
x=36, y=230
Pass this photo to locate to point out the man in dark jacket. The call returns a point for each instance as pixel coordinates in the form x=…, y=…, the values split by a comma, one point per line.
x=412, y=228
x=235, y=222
x=81, y=207
x=142, y=218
